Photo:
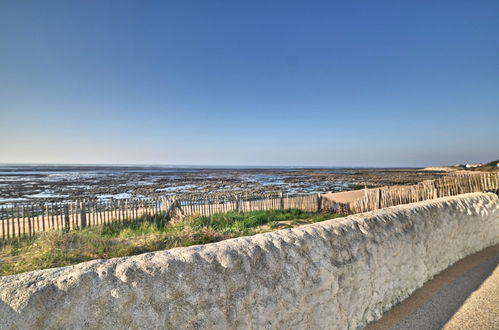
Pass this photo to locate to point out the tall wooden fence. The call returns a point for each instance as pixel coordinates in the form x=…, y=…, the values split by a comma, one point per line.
x=27, y=219
x=451, y=185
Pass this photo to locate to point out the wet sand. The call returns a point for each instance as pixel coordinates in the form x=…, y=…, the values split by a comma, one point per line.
x=59, y=183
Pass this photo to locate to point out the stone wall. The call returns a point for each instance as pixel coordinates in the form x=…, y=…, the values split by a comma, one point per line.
x=337, y=274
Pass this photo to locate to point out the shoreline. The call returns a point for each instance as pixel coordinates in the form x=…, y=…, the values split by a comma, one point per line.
x=53, y=184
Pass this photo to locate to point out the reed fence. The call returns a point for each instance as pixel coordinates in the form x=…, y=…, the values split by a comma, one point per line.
x=451, y=185
x=29, y=218
x=26, y=219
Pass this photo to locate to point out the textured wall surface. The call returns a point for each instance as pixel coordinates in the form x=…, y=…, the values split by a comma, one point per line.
x=337, y=274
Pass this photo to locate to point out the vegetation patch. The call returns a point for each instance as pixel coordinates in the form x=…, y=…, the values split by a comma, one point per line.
x=58, y=248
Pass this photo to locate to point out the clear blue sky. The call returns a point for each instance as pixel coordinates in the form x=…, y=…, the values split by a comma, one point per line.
x=382, y=83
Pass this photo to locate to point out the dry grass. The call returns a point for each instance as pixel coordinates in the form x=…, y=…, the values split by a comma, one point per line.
x=58, y=248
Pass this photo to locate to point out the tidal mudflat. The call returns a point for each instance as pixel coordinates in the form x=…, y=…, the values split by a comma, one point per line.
x=57, y=183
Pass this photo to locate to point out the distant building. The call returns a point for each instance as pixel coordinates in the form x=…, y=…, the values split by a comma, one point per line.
x=473, y=165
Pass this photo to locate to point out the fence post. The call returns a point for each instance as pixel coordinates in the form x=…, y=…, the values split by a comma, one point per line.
x=83, y=215
x=2, y=214
x=19, y=221
x=237, y=203
x=66, y=217
x=319, y=203
x=30, y=225
x=282, y=201
x=435, y=191
x=379, y=198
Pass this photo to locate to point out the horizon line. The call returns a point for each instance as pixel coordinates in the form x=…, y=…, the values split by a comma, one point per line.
x=205, y=165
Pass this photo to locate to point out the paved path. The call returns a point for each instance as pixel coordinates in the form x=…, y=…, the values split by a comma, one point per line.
x=464, y=296
x=481, y=309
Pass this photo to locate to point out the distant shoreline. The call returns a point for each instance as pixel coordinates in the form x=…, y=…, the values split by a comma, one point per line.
x=210, y=167
x=60, y=183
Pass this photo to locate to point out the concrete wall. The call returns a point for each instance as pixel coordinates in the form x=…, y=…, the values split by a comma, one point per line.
x=338, y=274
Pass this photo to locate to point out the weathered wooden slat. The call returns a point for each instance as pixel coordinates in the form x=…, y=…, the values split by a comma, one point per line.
x=18, y=211
x=10, y=213
x=3, y=214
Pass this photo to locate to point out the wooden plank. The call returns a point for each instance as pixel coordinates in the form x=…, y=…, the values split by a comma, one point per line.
x=95, y=214
x=56, y=215
x=122, y=210
x=52, y=216
x=98, y=213
x=83, y=214
x=36, y=218
x=66, y=223
x=2, y=218
x=18, y=210
x=43, y=215
x=136, y=209
x=72, y=211
x=90, y=214
x=104, y=211
x=10, y=214
x=103, y=207
x=29, y=210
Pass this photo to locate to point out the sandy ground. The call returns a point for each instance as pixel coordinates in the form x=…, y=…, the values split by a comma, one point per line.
x=350, y=196
x=464, y=296
x=441, y=169
x=345, y=196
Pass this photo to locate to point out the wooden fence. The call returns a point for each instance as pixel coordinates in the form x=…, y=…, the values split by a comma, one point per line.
x=238, y=203
x=27, y=219
x=451, y=185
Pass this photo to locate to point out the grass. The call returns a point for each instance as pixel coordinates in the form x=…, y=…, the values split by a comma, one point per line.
x=57, y=248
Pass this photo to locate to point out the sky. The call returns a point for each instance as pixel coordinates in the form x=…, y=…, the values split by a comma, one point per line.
x=303, y=83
